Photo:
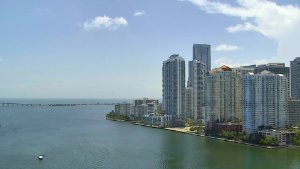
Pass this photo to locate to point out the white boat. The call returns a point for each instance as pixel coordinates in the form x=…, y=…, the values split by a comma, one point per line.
x=41, y=157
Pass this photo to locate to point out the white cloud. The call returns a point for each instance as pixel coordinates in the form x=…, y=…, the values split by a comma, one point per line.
x=226, y=47
x=139, y=13
x=105, y=22
x=241, y=27
x=278, y=22
x=226, y=61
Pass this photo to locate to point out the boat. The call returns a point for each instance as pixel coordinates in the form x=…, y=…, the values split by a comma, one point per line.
x=41, y=157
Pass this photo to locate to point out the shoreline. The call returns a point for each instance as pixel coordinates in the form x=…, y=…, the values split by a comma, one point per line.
x=181, y=130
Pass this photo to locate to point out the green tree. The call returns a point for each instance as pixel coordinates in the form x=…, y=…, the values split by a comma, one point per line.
x=296, y=138
x=268, y=140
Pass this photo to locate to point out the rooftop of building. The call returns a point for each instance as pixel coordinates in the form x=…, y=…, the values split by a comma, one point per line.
x=272, y=65
x=223, y=68
x=175, y=57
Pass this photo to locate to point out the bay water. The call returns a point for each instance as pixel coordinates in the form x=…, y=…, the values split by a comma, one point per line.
x=79, y=137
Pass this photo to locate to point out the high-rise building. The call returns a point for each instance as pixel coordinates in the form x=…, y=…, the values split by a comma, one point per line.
x=293, y=113
x=223, y=96
x=202, y=53
x=295, y=78
x=173, y=78
x=265, y=101
x=276, y=68
x=197, y=74
x=189, y=103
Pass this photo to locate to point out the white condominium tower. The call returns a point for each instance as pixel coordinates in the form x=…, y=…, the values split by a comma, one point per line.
x=197, y=74
x=223, y=96
x=265, y=101
x=173, y=78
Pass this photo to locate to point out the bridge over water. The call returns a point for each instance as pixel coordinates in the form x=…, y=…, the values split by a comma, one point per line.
x=41, y=105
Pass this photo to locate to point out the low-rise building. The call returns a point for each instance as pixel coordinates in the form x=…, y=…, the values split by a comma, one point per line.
x=145, y=106
x=123, y=108
x=237, y=127
x=158, y=120
x=283, y=137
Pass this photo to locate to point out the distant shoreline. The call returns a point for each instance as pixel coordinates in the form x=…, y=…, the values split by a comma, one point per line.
x=179, y=130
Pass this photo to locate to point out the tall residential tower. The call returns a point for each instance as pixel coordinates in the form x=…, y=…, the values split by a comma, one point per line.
x=197, y=74
x=223, y=96
x=173, y=78
x=265, y=101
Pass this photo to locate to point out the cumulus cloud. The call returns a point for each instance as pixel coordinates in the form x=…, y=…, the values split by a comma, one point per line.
x=278, y=22
x=226, y=47
x=241, y=27
x=139, y=13
x=104, y=22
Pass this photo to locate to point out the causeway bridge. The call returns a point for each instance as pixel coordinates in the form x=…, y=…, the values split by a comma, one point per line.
x=43, y=105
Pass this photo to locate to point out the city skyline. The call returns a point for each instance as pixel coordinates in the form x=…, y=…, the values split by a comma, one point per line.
x=79, y=49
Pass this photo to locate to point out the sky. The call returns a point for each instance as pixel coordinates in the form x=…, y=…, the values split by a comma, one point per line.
x=115, y=48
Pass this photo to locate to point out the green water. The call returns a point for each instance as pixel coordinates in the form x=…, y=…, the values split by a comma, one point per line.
x=80, y=137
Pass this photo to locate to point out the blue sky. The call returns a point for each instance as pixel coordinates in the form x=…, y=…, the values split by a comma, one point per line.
x=115, y=48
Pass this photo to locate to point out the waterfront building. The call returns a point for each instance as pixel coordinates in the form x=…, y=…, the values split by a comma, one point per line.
x=223, y=96
x=158, y=120
x=276, y=68
x=173, y=78
x=145, y=106
x=295, y=78
x=202, y=53
x=196, y=80
x=123, y=108
x=284, y=137
x=265, y=101
x=293, y=113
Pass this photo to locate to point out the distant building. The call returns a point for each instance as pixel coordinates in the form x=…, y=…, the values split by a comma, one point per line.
x=173, y=78
x=158, y=120
x=276, y=68
x=293, y=113
x=245, y=69
x=265, y=101
x=295, y=78
x=223, y=96
x=123, y=108
x=196, y=80
x=284, y=137
x=202, y=53
x=145, y=106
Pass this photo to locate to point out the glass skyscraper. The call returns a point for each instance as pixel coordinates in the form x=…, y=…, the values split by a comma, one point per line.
x=202, y=53
x=295, y=78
